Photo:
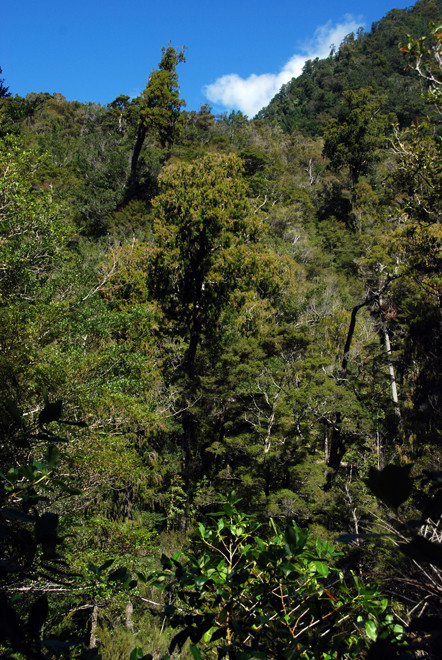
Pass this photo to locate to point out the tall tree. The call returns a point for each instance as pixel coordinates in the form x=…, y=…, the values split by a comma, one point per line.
x=204, y=225
x=159, y=108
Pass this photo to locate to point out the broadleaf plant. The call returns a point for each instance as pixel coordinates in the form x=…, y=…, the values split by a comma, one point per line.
x=248, y=591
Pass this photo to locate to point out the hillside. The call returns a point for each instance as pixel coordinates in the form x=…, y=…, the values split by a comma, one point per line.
x=367, y=59
x=220, y=367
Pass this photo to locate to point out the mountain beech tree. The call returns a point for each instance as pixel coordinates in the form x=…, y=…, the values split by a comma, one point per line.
x=204, y=230
x=212, y=276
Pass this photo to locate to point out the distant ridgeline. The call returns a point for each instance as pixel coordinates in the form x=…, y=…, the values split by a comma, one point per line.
x=363, y=59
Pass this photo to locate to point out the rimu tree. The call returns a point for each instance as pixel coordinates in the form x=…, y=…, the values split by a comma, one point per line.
x=158, y=109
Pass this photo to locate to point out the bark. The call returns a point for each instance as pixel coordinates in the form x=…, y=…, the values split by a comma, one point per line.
x=94, y=622
x=132, y=183
x=348, y=342
x=129, y=620
x=337, y=446
x=394, y=394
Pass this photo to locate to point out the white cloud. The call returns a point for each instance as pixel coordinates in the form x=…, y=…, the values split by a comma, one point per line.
x=253, y=93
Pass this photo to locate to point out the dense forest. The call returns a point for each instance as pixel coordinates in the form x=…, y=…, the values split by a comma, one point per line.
x=220, y=367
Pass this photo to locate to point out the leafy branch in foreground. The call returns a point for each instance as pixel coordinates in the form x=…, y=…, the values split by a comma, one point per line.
x=425, y=56
x=238, y=595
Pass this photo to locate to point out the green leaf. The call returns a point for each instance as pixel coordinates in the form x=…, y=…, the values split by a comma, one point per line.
x=137, y=654
x=67, y=489
x=93, y=568
x=321, y=568
x=52, y=456
x=11, y=475
x=295, y=538
x=287, y=568
x=106, y=564
x=195, y=653
x=27, y=472
x=201, y=580
x=166, y=561
x=142, y=578
x=41, y=467
x=260, y=543
x=371, y=630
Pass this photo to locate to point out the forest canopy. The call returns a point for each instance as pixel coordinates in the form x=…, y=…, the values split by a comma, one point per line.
x=221, y=365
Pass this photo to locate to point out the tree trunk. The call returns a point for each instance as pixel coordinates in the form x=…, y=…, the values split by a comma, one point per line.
x=348, y=342
x=132, y=184
x=337, y=443
x=394, y=394
x=94, y=622
x=129, y=620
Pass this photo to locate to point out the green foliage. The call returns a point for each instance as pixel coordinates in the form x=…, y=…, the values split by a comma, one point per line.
x=203, y=224
x=416, y=246
x=418, y=538
x=371, y=59
x=4, y=91
x=353, y=138
x=425, y=56
x=33, y=231
x=161, y=105
x=100, y=165
x=240, y=595
x=158, y=112
x=199, y=325
x=15, y=110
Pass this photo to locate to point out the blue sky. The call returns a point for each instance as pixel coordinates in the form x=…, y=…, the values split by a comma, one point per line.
x=238, y=54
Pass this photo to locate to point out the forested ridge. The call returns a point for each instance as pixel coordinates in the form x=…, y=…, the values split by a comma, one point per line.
x=220, y=415
x=365, y=59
